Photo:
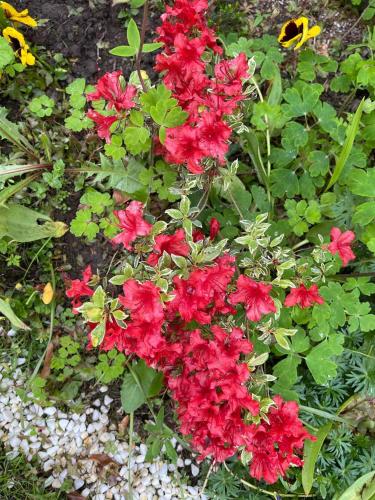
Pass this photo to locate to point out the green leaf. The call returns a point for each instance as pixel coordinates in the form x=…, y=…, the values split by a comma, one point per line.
x=362, y=182
x=345, y=152
x=76, y=87
x=284, y=182
x=294, y=136
x=96, y=200
x=301, y=99
x=310, y=456
x=23, y=224
x=362, y=489
x=6, y=53
x=10, y=132
x=364, y=213
x=8, y=312
x=134, y=38
x=139, y=385
x=319, y=163
x=123, y=51
x=150, y=47
x=319, y=359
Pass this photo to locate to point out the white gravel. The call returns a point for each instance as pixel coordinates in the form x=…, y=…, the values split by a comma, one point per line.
x=64, y=443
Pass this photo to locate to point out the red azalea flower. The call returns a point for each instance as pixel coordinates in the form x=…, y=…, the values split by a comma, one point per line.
x=213, y=134
x=183, y=147
x=103, y=124
x=340, y=243
x=172, y=244
x=80, y=288
x=109, y=88
x=143, y=300
x=304, y=297
x=132, y=223
x=255, y=297
x=229, y=74
x=198, y=235
x=214, y=228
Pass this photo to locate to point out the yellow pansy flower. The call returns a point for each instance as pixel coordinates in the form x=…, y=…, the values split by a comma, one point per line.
x=17, y=17
x=20, y=47
x=297, y=31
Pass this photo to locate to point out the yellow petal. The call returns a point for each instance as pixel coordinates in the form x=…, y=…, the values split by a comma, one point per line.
x=314, y=31
x=47, y=294
x=290, y=42
x=18, y=17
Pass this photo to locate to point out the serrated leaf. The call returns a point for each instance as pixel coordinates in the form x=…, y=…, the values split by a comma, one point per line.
x=319, y=361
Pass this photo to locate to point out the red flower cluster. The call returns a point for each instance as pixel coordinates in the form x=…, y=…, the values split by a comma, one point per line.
x=201, y=361
x=206, y=99
x=120, y=99
x=275, y=442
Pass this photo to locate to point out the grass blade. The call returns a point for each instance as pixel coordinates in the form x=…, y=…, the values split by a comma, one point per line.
x=348, y=145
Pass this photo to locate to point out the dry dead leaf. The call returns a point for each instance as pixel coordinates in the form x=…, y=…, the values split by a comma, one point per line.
x=103, y=459
x=46, y=370
x=123, y=425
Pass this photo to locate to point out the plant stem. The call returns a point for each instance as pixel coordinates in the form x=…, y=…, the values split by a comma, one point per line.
x=207, y=477
x=131, y=429
x=268, y=136
x=139, y=55
x=51, y=326
x=273, y=494
x=300, y=244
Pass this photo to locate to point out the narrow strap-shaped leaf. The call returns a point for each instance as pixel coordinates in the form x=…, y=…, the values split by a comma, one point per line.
x=310, y=455
x=8, y=312
x=348, y=145
x=12, y=170
x=12, y=190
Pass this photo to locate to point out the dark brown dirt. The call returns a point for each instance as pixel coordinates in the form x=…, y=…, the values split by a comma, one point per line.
x=84, y=35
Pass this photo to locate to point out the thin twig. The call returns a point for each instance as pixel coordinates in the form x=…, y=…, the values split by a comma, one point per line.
x=139, y=55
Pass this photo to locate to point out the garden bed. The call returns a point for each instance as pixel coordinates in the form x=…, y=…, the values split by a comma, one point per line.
x=187, y=242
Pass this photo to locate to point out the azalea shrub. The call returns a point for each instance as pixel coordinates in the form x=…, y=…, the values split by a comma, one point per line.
x=191, y=308
x=232, y=210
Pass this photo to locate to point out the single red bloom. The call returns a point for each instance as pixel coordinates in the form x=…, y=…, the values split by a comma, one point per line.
x=103, y=124
x=213, y=134
x=214, y=228
x=171, y=243
x=80, y=288
x=132, y=224
x=340, y=243
x=143, y=300
x=183, y=147
x=304, y=297
x=109, y=88
x=255, y=297
x=229, y=74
